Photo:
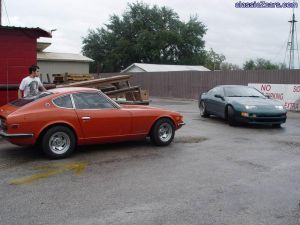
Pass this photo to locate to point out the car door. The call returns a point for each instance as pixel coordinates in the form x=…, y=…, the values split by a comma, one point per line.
x=209, y=101
x=217, y=102
x=100, y=118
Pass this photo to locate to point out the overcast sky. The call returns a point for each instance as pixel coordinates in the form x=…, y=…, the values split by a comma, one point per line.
x=239, y=34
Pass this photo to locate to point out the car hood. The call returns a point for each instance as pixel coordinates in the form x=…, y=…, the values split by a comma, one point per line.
x=253, y=101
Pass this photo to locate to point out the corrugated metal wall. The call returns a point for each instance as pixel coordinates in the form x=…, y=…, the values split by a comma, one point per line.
x=17, y=53
x=58, y=67
x=189, y=84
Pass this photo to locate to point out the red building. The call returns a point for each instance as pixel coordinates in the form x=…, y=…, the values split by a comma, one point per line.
x=17, y=52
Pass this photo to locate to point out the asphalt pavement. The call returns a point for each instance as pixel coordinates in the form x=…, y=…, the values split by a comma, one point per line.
x=212, y=174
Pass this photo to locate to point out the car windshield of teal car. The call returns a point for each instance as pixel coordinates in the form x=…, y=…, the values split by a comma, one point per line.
x=242, y=92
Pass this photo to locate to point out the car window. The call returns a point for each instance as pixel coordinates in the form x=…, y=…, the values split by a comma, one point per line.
x=215, y=91
x=242, y=91
x=219, y=91
x=24, y=101
x=64, y=102
x=91, y=100
x=212, y=91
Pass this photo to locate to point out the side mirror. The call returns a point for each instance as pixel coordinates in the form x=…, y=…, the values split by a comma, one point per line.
x=219, y=96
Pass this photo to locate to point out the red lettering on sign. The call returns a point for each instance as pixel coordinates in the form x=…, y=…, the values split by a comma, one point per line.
x=296, y=89
x=265, y=87
x=278, y=96
x=291, y=106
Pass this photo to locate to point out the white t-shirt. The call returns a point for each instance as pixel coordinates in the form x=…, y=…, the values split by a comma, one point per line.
x=30, y=86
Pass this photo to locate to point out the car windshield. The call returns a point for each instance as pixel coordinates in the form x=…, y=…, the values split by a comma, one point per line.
x=23, y=101
x=242, y=91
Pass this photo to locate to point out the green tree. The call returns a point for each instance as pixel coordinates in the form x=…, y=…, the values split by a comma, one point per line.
x=249, y=65
x=145, y=34
x=229, y=66
x=262, y=64
x=213, y=60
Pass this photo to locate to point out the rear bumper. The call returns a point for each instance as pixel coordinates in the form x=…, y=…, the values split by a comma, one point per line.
x=6, y=135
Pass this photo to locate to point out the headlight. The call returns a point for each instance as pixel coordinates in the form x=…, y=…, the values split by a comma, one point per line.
x=280, y=107
x=250, y=107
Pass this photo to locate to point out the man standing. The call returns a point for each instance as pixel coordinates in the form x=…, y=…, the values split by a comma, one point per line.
x=31, y=84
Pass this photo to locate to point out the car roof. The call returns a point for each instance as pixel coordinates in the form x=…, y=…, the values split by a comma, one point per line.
x=65, y=90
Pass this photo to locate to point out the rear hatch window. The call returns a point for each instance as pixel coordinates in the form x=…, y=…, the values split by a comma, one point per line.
x=24, y=101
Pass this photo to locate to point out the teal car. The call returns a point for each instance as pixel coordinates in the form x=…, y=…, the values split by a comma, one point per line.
x=241, y=104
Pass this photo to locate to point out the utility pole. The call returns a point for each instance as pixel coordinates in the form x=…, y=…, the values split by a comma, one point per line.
x=292, y=45
x=0, y=12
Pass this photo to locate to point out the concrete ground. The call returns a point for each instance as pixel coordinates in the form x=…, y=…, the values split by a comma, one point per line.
x=211, y=174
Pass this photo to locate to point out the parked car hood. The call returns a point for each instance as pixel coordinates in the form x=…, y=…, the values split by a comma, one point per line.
x=253, y=101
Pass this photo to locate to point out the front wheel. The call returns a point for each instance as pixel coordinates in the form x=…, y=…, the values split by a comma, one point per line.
x=202, y=108
x=58, y=142
x=162, y=132
x=231, y=116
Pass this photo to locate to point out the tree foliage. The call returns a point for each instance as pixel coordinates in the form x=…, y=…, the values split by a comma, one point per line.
x=262, y=64
x=146, y=34
x=229, y=66
x=213, y=60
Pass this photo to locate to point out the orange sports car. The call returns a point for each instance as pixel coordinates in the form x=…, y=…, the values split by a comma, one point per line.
x=62, y=118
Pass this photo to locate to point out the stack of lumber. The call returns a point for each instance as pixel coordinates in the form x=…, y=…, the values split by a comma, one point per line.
x=68, y=78
x=116, y=87
x=78, y=77
x=58, y=79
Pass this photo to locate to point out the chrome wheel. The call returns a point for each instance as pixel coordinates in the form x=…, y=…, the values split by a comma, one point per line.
x=59, y=143
x=165, y=132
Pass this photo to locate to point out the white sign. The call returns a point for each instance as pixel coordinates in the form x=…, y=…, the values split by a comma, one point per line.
x=287, y=94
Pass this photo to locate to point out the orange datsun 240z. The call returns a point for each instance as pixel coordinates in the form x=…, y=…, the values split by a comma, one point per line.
x=62, y=118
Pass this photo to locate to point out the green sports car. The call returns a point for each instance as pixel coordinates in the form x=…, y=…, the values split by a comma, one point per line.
x=237, y=103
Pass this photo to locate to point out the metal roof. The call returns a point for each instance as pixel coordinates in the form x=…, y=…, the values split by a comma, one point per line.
x=37, y=32
x=41, y=46
x=164, y=68
x=69, y=57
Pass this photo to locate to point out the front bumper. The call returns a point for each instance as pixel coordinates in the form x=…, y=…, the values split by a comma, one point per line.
x=6, y=135
x=260, y=118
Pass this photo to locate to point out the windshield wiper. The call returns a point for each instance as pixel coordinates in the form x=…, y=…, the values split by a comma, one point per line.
x=254, y=96
x=235, y=96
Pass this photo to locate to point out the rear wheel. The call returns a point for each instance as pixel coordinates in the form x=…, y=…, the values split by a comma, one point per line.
x=58, y=142
x=162, y=132
x=202, y=108
x=231, y=116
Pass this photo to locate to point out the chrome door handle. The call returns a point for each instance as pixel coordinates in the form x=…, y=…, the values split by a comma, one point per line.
x=85, y=118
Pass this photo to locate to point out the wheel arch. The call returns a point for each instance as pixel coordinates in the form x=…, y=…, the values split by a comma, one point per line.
x=157, y=119
x=49, y=126
x=226, y=110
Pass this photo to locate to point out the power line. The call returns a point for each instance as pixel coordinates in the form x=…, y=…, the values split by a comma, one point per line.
x=6, y=12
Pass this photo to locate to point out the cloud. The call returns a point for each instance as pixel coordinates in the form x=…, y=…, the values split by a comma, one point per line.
x=239, y=34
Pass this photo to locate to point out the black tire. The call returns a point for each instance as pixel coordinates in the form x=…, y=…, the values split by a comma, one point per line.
x=231, y=116
x=202, y=107
x=162, y=133
x=58, y=142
